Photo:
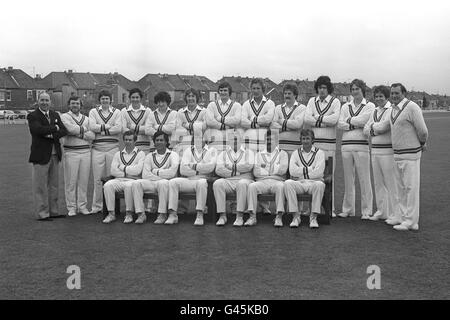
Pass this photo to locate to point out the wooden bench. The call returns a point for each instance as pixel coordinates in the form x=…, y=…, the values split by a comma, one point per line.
x=324, y=218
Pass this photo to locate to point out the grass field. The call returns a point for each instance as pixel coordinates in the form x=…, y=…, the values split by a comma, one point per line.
x=185, y=262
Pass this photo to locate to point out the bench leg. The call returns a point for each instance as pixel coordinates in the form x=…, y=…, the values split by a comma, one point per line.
x=117, y=206
x=327, y=204
x=105, y=209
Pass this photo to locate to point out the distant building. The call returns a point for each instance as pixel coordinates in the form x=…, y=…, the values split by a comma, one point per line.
x=18, y=90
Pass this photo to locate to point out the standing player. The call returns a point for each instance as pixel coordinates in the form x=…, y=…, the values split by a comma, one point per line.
x=77, y=157
x=306, y=168
x=197, y=165
x=270, y=172
x=163, y=118
x=190, y=118
x=355, y=150
x=160, y=166
x=409, y=136
x=234, y=166
x=256, y=117
x=288, y=119
x=134, y=118
x=126, y=167
x=379, y=130
x=221, y=116
x=322, y=115
x=105, y=121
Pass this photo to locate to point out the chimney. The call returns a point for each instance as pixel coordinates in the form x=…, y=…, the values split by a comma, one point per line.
x=38, y=76
x=10, y=68
x=70, y=71
x=116, y=73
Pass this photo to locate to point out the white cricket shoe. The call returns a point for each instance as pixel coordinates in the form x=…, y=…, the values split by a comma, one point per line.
x=199, y=220
x=128, y=219
x=343, y=215
x=162, y=217
x=364, y=217
x=313, y=221
x=296, y=220
x=393, y=222
x=251, y=221
x=222, y=220
x=141, y=218
x=173, y=219
x=109, y=218
x=278, y=221
x=85, y=212
x=405, y=227
x=72, y=213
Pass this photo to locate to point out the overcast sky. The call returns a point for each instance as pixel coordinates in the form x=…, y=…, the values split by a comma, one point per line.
x=380, y=41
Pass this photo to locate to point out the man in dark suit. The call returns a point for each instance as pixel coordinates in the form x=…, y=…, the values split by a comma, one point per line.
x=46, y=129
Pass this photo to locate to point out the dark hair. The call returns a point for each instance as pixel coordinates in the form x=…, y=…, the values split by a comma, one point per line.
x=162, y=96
x=260, y=82
x=194, y=92
x=291, y=87
x=225, y=84
x=129, y=133
x=360, y=84
x=74, y=98
x=324, y=80
x=399, y=85
x=383, y=90
x=161, y=133
x=104, y=93
x=135, y=90
x=307, y=132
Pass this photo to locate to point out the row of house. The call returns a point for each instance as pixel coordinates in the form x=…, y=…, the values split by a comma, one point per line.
x=18, y=90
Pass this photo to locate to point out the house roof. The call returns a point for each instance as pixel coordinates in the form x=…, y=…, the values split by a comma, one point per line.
x=160, y=81
x=242, y=84
x=15, y=78
x=113, y=78
x=176, y=82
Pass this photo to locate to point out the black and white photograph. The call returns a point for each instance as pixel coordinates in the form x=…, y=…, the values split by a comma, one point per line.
x=224, y=155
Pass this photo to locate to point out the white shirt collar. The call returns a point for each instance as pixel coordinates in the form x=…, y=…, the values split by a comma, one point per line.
x=110, y=109
x=223, y=104
x=167, y=110
x=284, y=105
x=387, y=105
x=74, y=115
x=264, y=99
x=402, y=103
x=197, y=107
x=326, y=100
x=135, y=150
x=312, y=149
x=363, y=101
x=44, y=112
x=156, y=152
x=141, y=108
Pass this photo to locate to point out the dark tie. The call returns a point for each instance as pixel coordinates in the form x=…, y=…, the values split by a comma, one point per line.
x=47, y=116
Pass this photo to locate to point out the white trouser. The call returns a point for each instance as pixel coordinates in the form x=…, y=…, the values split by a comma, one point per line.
x=360, y=161
x=332, y=154
x=77, y=167
x=200, y=187
x=384, y=183
x=101, y=167
x=313, y=187
x=161, y=187
x=407, y=178
x=116, y=185
x=271, y=186
x=223, y=186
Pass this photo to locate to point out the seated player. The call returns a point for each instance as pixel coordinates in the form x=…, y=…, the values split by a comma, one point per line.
x=270, y=172
x=126, y=167
x=197, y=165
x=235, y=166
x=160, y=166
x=306, y=168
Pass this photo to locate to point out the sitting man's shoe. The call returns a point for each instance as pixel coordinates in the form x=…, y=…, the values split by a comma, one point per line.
x=85, y=212
x=199, y=220
x=343, y=215
x=364, y=217
x=251, y=221
x=333, y=214
x=239, y=222
x=128, y=219
x=222, y=220
x=404, y=227
x=162, y=217
x=173, y=219
x=141, y=218
x=296, y=220
x=45, y=219
x=278, y=221
x=109, y=218
x=313, y=221
x=72, y=213
x=393, y=222
x=377, y=216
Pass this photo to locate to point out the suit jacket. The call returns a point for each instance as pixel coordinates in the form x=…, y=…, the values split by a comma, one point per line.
x=44, y=135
